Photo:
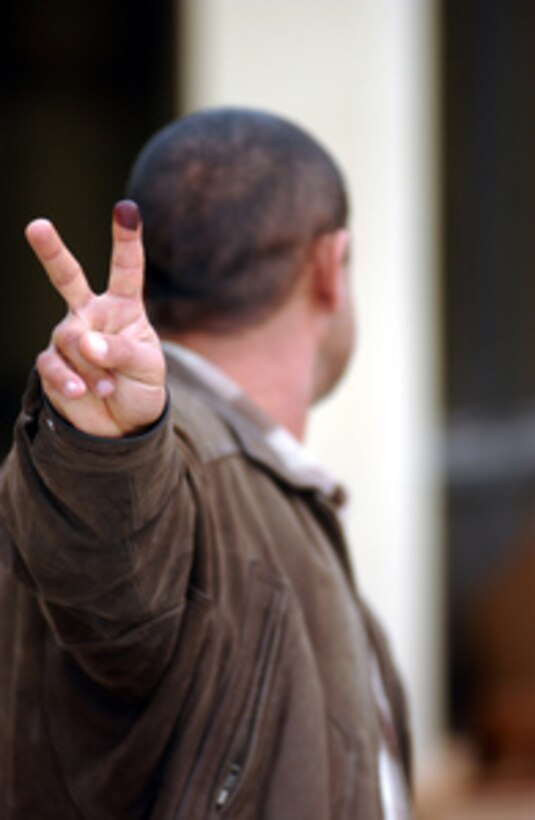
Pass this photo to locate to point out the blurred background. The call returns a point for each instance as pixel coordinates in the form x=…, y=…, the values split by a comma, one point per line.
x=428, y=105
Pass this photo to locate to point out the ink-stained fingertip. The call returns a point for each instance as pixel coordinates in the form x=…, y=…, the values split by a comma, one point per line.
x=126, y=214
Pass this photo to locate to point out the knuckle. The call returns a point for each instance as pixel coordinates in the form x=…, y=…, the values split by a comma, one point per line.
x=42, y=360
x=125, y=266
x=127, y=255
x=57, y=336
x=66, y=334
x=52, y=253
x=66, y=275
x=49, y=366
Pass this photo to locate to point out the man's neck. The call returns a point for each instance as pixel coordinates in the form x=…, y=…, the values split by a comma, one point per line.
x=274, y=369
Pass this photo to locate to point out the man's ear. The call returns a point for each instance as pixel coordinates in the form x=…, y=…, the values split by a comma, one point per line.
x=329, y=257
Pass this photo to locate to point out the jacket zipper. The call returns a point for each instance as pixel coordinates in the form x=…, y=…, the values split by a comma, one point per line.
x=228, y=786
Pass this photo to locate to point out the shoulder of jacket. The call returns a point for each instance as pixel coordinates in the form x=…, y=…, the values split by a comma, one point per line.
x=194, y=418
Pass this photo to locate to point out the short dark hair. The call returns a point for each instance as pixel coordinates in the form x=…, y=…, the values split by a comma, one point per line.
x=231, y=199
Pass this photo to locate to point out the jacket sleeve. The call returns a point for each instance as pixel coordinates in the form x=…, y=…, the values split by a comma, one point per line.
x=101, y=532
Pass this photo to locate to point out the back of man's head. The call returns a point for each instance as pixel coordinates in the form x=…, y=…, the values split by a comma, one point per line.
x=231, y=199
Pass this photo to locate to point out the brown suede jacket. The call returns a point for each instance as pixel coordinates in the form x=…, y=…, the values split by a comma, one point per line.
x=180, y=635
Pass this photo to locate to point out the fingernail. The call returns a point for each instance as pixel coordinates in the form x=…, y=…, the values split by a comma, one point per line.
x=97, y=344
x=72, y=388
x=104, y=388
x=126, y=213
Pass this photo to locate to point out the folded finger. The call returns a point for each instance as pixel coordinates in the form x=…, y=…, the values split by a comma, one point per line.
x=62, y=268
x=66, y=341
x=58, y=377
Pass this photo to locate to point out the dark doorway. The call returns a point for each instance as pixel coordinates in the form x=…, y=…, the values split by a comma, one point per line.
x=82, y=86
x=489, y=288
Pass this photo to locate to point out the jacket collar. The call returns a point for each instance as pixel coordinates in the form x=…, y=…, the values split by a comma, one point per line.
x=262, y=440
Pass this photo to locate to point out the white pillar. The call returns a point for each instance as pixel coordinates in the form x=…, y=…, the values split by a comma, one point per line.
x=361, y=75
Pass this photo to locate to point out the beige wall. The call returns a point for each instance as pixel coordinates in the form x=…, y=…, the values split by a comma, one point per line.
x=361, y=74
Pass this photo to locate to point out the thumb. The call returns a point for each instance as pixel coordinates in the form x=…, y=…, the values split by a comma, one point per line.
x=135, y=359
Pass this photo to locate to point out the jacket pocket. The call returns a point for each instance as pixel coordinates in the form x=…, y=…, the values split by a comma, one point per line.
x=233, y=756
x=109, y=750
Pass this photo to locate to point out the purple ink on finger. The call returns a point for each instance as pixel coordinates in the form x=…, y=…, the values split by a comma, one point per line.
x=126, y=214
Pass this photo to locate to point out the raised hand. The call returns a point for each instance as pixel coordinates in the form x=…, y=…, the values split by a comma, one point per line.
x=104, y=369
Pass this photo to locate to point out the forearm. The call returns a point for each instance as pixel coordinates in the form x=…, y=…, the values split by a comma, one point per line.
x=104, y=529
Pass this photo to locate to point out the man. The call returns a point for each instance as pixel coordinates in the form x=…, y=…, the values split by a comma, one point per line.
x=181, y=636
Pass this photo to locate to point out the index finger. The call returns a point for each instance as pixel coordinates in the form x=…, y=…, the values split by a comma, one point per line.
x=127, y=257
x=63, y=269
